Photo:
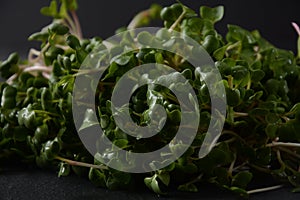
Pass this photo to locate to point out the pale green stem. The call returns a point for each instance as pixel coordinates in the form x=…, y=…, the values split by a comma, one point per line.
x=81, y=164
x=264, y=189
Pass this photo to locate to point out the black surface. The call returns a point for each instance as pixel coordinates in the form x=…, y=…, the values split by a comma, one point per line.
x=20, y=183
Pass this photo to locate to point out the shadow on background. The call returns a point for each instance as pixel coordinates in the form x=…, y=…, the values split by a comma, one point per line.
x=19, y=18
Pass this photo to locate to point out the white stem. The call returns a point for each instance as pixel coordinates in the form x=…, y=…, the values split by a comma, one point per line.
x=45, y=71
x=82, y=164
x=230, y=170
x=240, y=114
x=296, y=27
x=11, y=79
x=77, y=24
x=283, y=144
x=64, y=47
x=133, y=24
x=264, y=189
x=32, y=53
x=46, y=75
x=177, y=21
x=38, y=68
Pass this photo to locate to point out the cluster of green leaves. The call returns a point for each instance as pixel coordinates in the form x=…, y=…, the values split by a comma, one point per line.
x=36, y=103
x=261, y=132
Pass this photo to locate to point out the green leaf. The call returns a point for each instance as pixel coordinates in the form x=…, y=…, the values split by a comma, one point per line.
x=51, y=149
x=122, y=60
x=224, y=68
x=210, y=43
x=20, y=133
x=41, y=133
x=257, y=75
x=256, y=96
x=296, y=127
x=13, y=58
x=298, y=47
x=271, y=130
x=50, y=11
x=190, y=168
x=113, y=183
x=188, y=188
x=66, y=82
x=233, y=96
x=104, y=121
x=170, y=167
x=166, y=14
x=239, y=191
x=263, y=156
x=113, y=68
x=295, y=108
x=242, y=179
x=177, y=149
x=144, y=38
x=27, y=117
x=73, y=42
x=239, y=72
x=117, y=180
x=189, y=13
x=8, y=100
x=63, y=11
x=219, y=53
x=175, y=116
x=152, y=184
x=97, y=177
x=121, y=143
x=272, y=118
x=164, y=177
x=296, y=190
x=46, y=98
x=256, y=65
x=221, y=155
x=89, y=120
x=295, y=179
x=214, y=14
x=236, y=33
x=64, y=169
x=39, y=36
x=59, y=29
x=222, y=176
x=72, y=5
x=159, y=58
x=258, y=111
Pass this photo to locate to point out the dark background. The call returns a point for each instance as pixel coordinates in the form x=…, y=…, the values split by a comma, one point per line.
x=20, y=18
